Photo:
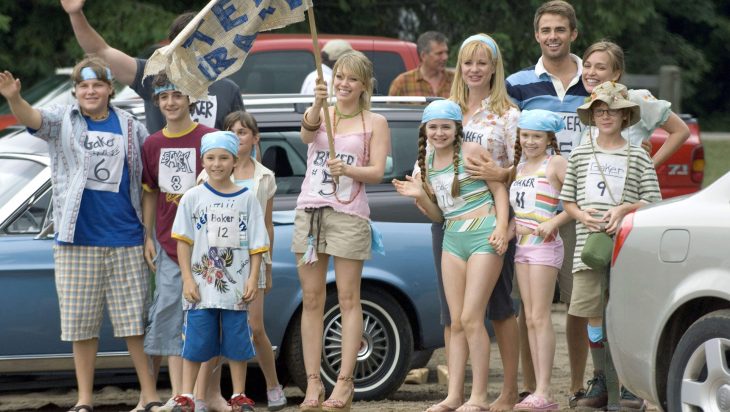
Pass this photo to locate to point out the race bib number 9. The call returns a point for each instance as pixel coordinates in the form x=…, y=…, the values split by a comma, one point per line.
x=106, y=161
x=322, y=183
x=223, y=228
x=523, y=194
x=608, y=191
x=177, y=170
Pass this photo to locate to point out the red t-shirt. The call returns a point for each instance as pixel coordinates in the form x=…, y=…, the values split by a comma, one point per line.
x=171, y=163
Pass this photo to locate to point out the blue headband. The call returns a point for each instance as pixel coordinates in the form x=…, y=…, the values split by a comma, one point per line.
x=87, y=73
x=484, y=39
x=165, y=88
x=219, y=140
x=441, y=109
x=540, y=120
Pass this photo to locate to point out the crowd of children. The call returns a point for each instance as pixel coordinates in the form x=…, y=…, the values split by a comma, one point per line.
x=513, y=194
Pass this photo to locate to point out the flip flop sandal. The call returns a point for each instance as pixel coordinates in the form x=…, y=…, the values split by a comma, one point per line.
x=79, y=408
x=470, y=407
x=148, y=407
x=440, y=407
x=536, y=403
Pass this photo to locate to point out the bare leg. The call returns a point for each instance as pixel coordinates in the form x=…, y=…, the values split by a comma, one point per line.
x=189, y=375
x=528, y=370
x=175, y=368
x=312, y=279
x=540, y=281
x=508, y=342
x=238, y=375
x=348, y=273
x=208, y=385
x=264, y=353
x=458, y=349
x=576, y=333
x=84, y=362
x=479, y=286
x=145, y=375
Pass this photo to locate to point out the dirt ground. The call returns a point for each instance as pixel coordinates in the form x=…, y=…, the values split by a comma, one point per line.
x=409, y=397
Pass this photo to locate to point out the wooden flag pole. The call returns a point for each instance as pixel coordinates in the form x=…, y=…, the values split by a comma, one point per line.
x=320, y=75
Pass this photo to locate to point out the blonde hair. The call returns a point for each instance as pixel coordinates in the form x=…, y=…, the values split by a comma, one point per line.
x=422, y=139
x=615, y=54
x=499, y=101
x=358, y=64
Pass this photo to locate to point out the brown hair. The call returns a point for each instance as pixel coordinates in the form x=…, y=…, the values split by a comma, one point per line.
x=161, y=80
x=559, y=7
x=499, y=101
x=97, y=65
x=247, y=120
x=422, y=139
x=552, y=143
x=179, y=24
x=614, y=52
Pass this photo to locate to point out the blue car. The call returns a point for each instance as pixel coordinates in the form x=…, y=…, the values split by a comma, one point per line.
x=399, y=290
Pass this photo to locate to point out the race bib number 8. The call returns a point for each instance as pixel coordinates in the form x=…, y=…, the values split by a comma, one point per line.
x=106, y=161
x=177, y=170
x=608, y=191
x=223, y=230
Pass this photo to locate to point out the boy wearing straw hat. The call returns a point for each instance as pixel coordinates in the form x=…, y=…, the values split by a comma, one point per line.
x=607, y=178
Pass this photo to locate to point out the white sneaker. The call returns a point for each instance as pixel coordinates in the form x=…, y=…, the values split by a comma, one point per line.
x=276, y=399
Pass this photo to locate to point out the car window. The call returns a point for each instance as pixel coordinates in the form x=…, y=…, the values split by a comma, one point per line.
x=274, y=72
x=33, y=218
x=15, y=174
x=285, y=154
x=387, y=66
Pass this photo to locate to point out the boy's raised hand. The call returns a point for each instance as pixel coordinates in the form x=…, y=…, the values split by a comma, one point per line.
x=9, y=86
x=72, y=6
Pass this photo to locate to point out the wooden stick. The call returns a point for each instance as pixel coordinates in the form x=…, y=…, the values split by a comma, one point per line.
x=318, y=63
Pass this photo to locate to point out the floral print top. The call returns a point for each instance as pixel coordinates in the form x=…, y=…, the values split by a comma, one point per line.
x=496, y=133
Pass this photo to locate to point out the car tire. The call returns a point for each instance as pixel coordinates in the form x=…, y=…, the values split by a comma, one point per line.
x=420, y=358
x=698, y=377
x=384, y=357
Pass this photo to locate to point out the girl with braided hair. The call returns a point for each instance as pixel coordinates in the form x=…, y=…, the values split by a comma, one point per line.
x=534, y=198
x=475, y=237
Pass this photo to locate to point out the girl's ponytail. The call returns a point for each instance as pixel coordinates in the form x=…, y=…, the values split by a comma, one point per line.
x=422, y=161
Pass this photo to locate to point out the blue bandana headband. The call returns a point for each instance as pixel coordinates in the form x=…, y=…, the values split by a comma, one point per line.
x=167, y=87
x=484, y=39
x=540, y=120
x=87, y=73
x=443, y=110
x=219, y=140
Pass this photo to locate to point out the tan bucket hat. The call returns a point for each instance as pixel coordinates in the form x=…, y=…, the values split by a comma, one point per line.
x=615, y=95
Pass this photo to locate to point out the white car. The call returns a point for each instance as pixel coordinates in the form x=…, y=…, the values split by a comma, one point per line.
x=668, y=316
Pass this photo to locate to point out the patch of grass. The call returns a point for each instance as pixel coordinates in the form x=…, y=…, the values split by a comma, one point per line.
x=717, y=159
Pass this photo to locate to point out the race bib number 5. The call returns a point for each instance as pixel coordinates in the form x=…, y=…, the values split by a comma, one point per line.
x=322, y=183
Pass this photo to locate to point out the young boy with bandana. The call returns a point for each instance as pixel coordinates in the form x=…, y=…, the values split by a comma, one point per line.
x=221, y=236
x=171, y=159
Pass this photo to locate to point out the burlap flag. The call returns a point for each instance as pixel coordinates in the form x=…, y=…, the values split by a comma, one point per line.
x=216, y=42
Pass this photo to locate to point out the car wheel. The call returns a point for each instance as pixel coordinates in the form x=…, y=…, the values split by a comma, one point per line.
x=420, y=358
x=699, y=373
x=384, y=356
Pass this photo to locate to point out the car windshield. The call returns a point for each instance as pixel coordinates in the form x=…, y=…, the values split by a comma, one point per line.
x=15, y=174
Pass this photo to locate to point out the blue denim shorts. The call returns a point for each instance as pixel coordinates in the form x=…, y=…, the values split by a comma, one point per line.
x=214, y=332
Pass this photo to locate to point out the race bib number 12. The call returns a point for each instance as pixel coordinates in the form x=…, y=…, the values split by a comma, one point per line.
x=223, y=230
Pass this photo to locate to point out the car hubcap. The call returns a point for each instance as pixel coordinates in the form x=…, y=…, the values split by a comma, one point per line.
x=706, y=378
x=373, y=350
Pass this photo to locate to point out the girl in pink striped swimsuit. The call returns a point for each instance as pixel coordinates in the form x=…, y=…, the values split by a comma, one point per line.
x=534, y=198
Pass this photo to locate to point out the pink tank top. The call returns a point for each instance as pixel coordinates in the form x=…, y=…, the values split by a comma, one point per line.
x=318, y=188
